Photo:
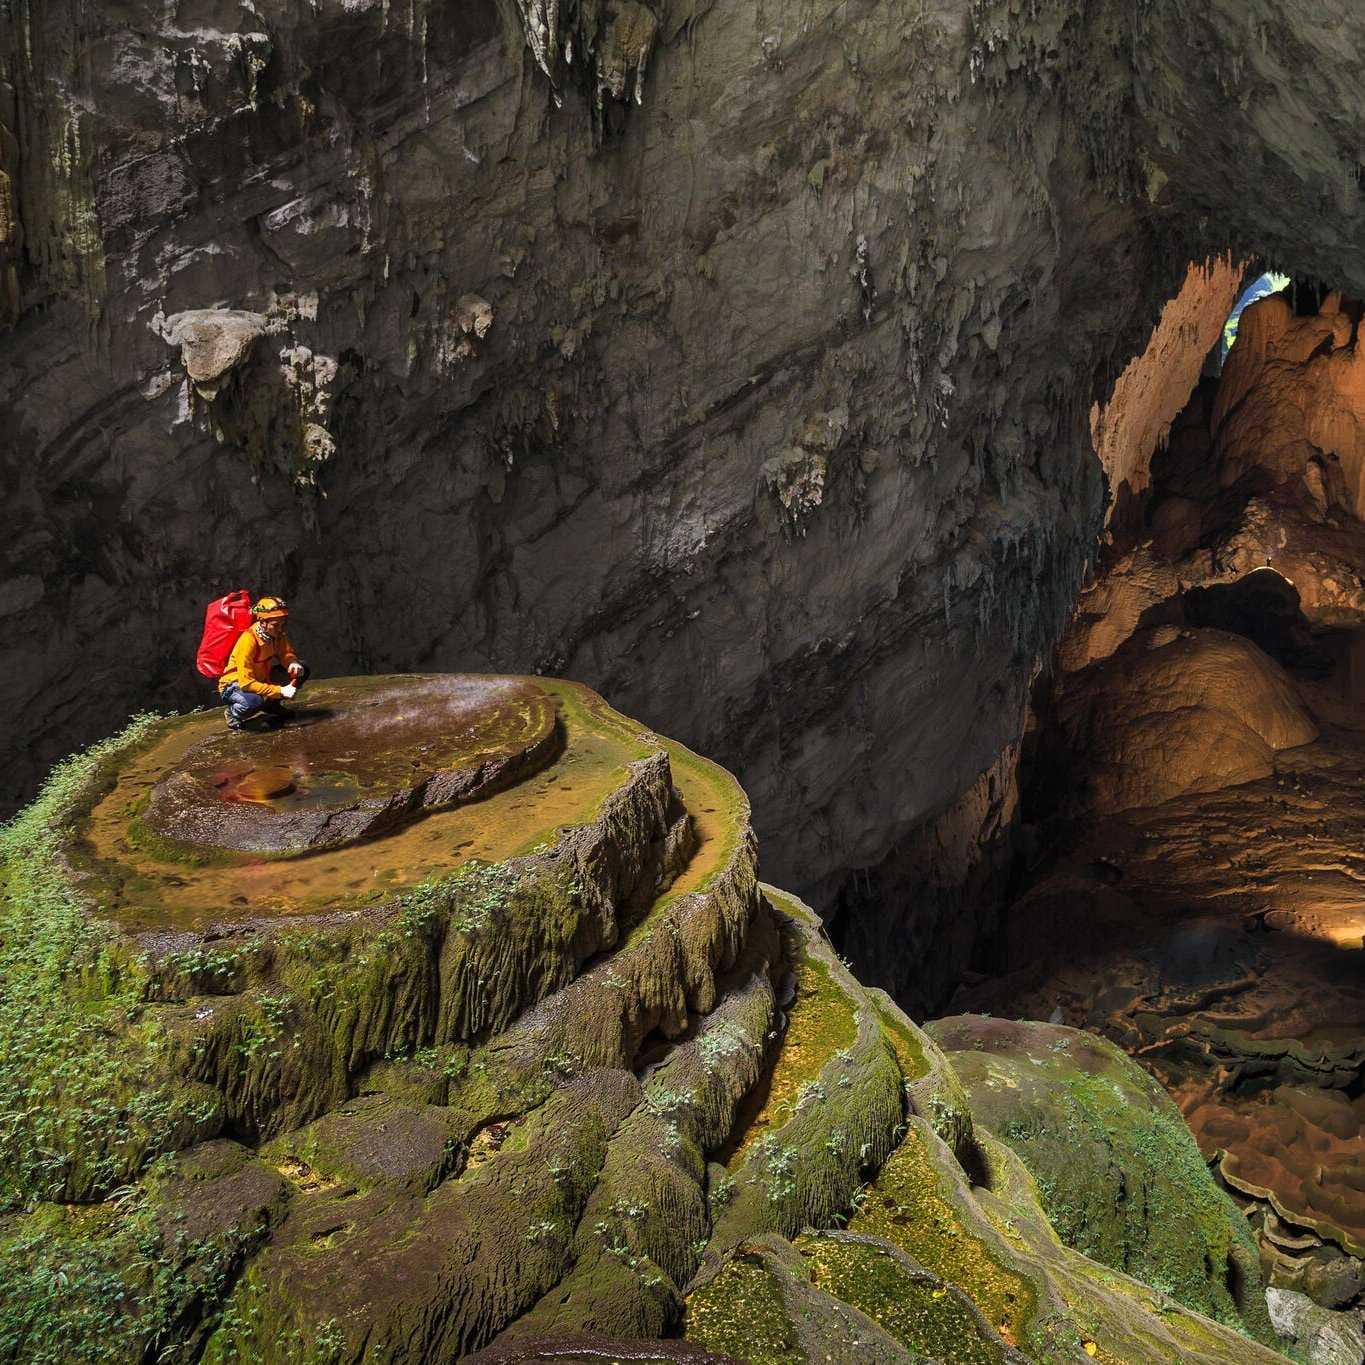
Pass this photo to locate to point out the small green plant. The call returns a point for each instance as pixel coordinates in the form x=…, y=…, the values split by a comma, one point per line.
x=781, y=1163
x=563, y=1064
x=723, y=1043
x=263, y=1029
x=664, y=1102
x=207, y=968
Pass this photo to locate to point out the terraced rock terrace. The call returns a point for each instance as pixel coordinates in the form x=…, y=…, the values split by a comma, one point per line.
x=363, y=756
x=536, y=1075
x=194, y=888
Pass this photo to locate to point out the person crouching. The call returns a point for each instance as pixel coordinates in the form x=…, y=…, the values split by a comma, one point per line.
x=246, y=688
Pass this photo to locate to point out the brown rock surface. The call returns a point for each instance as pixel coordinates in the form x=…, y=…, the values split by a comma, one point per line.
x=1150, y=393
x=1175, y=712
x=355, y=758
x=213, y=342
x=1297, y=1148
x=1292, y=402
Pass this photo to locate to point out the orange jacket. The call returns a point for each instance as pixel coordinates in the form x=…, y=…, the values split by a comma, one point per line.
x=251, y=660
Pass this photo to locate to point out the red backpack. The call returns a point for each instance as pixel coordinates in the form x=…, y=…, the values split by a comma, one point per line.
x=224, y=621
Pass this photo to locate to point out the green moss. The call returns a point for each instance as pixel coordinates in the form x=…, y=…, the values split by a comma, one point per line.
x=102, y=1284
x=82, y=1090
x=157, y=848
x=820, y=1023
x=1119, y=1174
x=907, y=1206
x=150, y=883
x=909, y=1050
x=919, y=1312
x=741, y=1313
x=719, y=810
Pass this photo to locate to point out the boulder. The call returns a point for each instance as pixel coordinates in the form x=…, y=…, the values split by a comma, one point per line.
x=1323, y=1337
x=1120, y=1175
x=213, y=343
x=1168, y=716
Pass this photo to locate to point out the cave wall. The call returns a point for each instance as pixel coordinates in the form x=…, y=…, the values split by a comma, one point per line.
x=1154, y=387
x=741, y=367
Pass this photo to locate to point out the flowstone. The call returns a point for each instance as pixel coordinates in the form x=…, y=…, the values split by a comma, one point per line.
x=360, y=757
x=555, y=1075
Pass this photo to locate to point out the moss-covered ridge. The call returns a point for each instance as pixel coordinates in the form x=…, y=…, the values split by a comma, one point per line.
x=253, y=1027
x=1119, y=1172
x=580, y=1075
x=946, y=1251
x=273, y=1028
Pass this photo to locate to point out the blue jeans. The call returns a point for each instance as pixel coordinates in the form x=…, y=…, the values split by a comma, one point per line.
x=243, y=706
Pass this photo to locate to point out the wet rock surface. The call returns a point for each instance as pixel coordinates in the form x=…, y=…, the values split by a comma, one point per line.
x=352, y=759
x=586, y=1081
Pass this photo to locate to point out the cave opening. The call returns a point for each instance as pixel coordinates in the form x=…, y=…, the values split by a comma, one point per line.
x=1268, y=282
x=1170, y=855
x=1185, y=875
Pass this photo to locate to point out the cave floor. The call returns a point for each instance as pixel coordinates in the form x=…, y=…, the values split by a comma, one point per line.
x=148, y=885
x=1219, y=937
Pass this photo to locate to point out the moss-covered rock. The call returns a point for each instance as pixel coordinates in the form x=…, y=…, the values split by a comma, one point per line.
x=829, y=1110
x=553, y=1064
x=1121, y=1177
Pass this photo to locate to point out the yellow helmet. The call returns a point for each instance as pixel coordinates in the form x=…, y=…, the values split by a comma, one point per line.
x=270, y=609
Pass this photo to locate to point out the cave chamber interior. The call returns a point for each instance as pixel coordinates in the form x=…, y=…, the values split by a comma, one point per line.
x=1176, y=860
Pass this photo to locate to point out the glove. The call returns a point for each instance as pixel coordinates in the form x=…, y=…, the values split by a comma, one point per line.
x=288, y=690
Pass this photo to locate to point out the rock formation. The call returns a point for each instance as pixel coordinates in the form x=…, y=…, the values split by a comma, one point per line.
x=764, y=367
x=536, y=1077
x=1175, y=712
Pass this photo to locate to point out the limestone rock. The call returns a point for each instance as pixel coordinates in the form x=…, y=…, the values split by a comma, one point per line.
x=1324, y=1337
x=1294, y=401
x=702, y=252
x=213, y=343
x=1297, y=1152
x=1150, y=393
x=1204, y=711
x=353, y=761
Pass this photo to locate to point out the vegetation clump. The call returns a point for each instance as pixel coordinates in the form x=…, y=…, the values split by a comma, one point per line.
x=84, y=1103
